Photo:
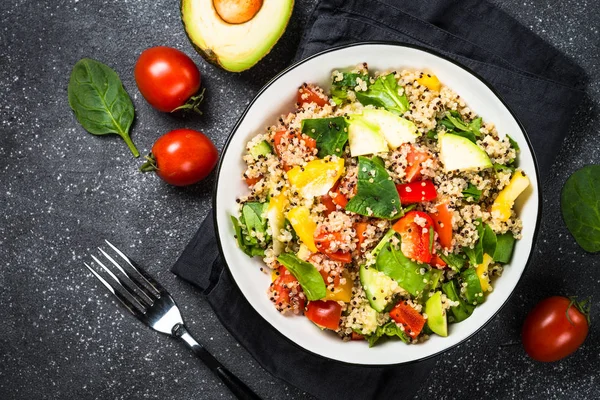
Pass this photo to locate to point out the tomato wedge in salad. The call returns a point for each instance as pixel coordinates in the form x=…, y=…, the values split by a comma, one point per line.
x=415, y=158
x=442, y=222
x=325, y=314
x=416, y=192
x=415, y=229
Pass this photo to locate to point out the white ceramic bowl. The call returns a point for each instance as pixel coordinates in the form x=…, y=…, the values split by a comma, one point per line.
x=278, y=97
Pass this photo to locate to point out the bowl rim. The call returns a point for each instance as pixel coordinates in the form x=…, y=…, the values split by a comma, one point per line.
x=294, y=66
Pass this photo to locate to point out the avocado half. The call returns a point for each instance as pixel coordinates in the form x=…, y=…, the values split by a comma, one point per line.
x=234, y=46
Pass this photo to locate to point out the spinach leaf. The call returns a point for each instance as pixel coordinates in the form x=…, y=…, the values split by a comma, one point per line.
x=454, y=261
x=454, y=124
x=99, y=101
x=246, y=243
x=514, y=144
x=253, y=212
x=463, y=310
x=504, y=247
x=456, y=121
x=485, y=244
x=504, y=168
x=309, y=278
x=339, y=88
x=376, y=193
x=432, y=135
x=580, y=205
x=403, y=270
x=384, y=93
x=488, y=241
x=473, y=292
x=252, y=220
x=331, y=134
x=475, y=126
x=390, y=329
x=472, y=192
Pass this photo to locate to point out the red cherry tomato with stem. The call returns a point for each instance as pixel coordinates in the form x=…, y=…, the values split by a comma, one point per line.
x=168, y=79
x=555, y=328
x=182, y=157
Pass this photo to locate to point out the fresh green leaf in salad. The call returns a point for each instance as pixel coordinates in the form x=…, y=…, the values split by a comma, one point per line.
x=580, y=205
x=514, y=144
x=385, y=93
x=392, y=262
x=331, y=134
x=505, y=244
x=390, y=329
x=342, y=82
x=454, y=124
x=455, y=261
x=376, y=193
x=473, y=293
x=307, y=274
x=461, y=311
x=471, y=193
x=99, y=101
x=251, y=229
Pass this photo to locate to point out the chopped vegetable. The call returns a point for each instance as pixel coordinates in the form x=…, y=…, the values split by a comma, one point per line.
x=303, y=225
x=471, y=193
x=384, y=93
x=502, y=206
x=331, y=134
x=442, y=222
x=430, y=81
x=410, y=275
x=325, y=314
x=461, y=311
x=411, y=319
x=390, y=329
x=416, y=192
x=414, y=228
x=317, y=177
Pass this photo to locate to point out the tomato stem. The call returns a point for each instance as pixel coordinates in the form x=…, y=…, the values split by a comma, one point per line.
x=150, y=164
x=193, y=103
x=583, y=306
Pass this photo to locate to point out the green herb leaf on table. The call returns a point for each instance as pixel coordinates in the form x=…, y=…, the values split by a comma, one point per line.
x=384, y=93
x=580, y=205
x=376, y=194
x=471, y=193
x=99, y=101
x=331, y=134
x=307, y=274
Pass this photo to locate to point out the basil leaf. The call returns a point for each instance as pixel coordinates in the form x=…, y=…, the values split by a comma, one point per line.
x=309, y=278
x=580, y=205
x=376, y=193
x=504, y=247
x=384, y=93
x=246, y=243
x=390, y=329
x=463, y=310
x=472, y=192
x=339, y=88
x=99, y=101
x=514, y=144
x=331, y=134
x=454, y=261
x=406, y=272
x=488, y=241
x=252, y=213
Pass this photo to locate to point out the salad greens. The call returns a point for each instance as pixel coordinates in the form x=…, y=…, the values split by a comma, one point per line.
x=309, y=278
x=384, y=93
x=331, y=134
x=580, y=205
x=403, y=270
x=455, y=125
x=251, y=221
x=99, y=101
x=376, y=193
x=463, y=310
x=390, y=329
x=472, y=192
x=473, y=292
x=505, y=244
x=339, y=88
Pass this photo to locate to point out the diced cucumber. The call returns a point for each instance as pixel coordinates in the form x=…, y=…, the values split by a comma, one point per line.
x=261, y=149
x=377, y=286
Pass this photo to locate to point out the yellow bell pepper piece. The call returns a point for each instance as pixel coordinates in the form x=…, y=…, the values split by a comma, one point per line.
x=276, y=219
x=304, y=226
x=482, y=272
x=502, y=206
x=342, y=292
x=317, y=177
x=430, y=81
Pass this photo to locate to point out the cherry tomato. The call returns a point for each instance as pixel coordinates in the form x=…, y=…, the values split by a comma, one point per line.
x=412, y=320
x=415, y=238
x=442, y=222
x=167, y=78
x=555, y=328
x=182, y=157
x=310, y=94
x=416, y=192
x=253, y=181
x=325, y=314
x=415, y=158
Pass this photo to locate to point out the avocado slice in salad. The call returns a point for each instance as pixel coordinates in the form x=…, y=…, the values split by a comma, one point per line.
x=436, y=316
x=459, y=153
x=235, y=35
x=377, y=286
x=395, y=129
x=365, y=137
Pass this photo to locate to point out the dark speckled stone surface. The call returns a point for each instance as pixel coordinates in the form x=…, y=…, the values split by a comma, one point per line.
x=63, y=190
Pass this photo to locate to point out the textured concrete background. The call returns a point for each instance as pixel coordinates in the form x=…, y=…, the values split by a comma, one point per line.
x=63, y=190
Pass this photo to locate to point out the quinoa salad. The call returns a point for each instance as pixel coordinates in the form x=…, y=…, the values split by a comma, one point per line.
x=381, y=207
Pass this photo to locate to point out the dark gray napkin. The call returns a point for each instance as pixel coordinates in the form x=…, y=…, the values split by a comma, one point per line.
x=540, y=85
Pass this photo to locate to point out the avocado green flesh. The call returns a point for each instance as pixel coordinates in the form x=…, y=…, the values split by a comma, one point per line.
x=234, y=47
x=436, y=317
x=459, y=153
x=395, y=129
x=365, y=138
x=377, y=287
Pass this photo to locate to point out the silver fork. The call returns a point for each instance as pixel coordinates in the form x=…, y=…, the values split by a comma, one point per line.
x=149, y=302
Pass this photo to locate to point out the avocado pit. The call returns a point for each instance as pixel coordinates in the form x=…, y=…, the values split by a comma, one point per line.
x=237, y=11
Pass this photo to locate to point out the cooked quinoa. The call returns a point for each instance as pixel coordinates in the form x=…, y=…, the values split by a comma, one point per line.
x=309, y=199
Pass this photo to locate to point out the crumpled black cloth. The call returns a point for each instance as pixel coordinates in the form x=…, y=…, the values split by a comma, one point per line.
x=539, y=84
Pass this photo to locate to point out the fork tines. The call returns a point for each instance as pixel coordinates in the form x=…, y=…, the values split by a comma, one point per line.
x=126, y=280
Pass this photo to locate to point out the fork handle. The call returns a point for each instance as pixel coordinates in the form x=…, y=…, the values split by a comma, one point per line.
x=237, y=387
